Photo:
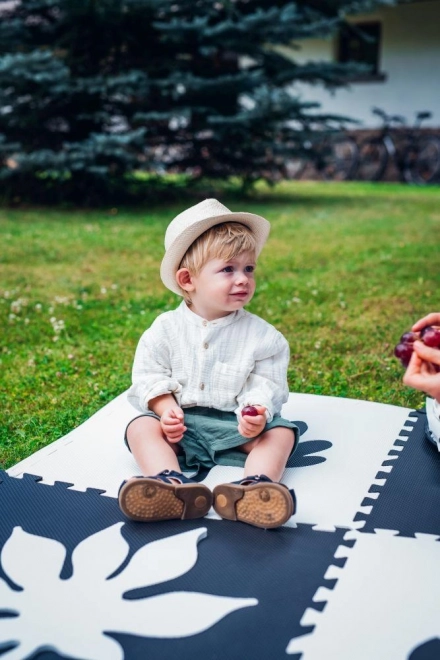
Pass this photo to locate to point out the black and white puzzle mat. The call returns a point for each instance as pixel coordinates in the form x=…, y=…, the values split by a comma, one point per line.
x=354, y=575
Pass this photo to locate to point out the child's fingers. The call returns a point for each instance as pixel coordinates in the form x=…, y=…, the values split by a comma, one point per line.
x=251, y=422
x=250, y=429
x=261, y=410
x=174, y=438
x=176, y=413
x=172, y=421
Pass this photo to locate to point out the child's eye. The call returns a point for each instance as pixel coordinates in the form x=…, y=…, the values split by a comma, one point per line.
x=250, y=269
x=227, y=269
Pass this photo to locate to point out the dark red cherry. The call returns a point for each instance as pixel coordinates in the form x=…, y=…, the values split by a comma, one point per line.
x=403, y=352
x=431, y=336
x=249, y=410
x=409, y=337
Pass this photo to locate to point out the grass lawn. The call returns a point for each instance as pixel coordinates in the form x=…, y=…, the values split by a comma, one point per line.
x=347, y=269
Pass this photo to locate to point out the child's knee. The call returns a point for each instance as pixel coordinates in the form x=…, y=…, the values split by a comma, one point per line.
x=140, y=428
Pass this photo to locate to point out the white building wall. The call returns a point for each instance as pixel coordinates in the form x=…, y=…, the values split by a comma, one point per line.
x=410, y=59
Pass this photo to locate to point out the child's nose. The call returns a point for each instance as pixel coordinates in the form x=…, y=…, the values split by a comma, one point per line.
x=242, y=276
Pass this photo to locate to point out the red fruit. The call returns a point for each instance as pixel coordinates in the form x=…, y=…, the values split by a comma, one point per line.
x=403, y=352
x=409, y=337
x=431, y=336
x=249, y=410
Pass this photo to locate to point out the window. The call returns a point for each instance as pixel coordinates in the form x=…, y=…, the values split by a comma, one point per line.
x=360, y=44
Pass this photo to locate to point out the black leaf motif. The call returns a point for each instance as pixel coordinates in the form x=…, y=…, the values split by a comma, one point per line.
x=427, y=651
x=302, y=457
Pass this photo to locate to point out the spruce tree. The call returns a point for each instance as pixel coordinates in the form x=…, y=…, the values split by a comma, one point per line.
x=95, y=92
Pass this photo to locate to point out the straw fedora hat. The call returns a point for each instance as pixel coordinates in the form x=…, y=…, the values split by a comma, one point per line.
x=190, y=224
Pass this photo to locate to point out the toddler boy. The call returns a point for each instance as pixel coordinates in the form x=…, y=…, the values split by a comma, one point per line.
x=195, y=371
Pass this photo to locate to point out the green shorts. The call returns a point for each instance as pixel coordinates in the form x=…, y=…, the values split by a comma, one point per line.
x=212, y=438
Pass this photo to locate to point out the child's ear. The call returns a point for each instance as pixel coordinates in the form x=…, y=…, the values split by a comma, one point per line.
x=184, y=279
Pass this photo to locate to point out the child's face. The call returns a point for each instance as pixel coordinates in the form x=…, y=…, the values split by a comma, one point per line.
x=223, y=287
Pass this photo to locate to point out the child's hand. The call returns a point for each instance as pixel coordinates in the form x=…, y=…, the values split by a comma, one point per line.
x=250, y=427
x=172, y=424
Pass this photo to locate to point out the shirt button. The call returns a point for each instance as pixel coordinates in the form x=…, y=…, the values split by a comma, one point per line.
x=205, y=323
x=205, y=345
x=202, y=386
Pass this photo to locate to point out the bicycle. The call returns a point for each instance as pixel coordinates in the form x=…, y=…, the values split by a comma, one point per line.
x=333, y=157
x=416, y=157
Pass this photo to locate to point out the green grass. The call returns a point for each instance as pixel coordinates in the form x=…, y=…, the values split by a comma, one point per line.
x=347, y=269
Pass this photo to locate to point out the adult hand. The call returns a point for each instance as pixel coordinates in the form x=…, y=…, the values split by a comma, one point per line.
x=430, y=319
x=423, y=371
x=172, y=424
x=251, y=426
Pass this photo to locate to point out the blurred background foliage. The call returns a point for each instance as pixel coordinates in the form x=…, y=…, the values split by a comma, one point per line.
x=99, y=100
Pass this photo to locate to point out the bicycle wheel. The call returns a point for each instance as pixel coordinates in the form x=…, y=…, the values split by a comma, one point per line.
x=339, y=159
x=422, y=161
x=373, y=159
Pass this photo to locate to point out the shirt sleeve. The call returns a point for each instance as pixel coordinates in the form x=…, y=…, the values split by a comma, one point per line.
x=151, y=373
x=267, y=385
x=433, y=417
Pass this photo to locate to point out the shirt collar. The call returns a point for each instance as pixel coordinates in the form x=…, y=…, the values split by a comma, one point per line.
x=200, y=322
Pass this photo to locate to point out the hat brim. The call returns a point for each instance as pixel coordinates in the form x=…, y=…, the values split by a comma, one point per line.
x=259, y=226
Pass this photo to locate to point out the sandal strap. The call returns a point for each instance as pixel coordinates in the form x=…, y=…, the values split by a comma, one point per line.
x=164, y=476
x=255, y=479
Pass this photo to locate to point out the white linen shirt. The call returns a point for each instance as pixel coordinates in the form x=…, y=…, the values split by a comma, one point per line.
x=226, y=364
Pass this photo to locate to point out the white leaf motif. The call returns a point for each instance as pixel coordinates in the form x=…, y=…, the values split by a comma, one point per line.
x=23, y=552
x=91, y=558
x=160, y=561
x=179, y=614
x=75, y=616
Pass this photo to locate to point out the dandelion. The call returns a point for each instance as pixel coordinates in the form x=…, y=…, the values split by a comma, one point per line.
x=295, y=299
x=16, y=306
x=38, y=307
x=12, y=318
x=317, y=344
x=314, y=292
x=57, y=325
x=62, y=300
x=103, y=290
x=26, y=321
x=114, y=287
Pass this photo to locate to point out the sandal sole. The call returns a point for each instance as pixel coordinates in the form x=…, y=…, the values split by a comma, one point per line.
x=266, y=505
x=149, y=500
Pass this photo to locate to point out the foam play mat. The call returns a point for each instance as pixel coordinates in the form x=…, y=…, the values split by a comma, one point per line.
x=354, y=575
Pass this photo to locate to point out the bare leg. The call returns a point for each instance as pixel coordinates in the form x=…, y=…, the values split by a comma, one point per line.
x=268, y=454
x=150, y=449
x=165, y=497
x=261, y=503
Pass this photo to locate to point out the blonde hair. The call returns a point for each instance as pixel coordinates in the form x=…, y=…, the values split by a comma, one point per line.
x=225, y=241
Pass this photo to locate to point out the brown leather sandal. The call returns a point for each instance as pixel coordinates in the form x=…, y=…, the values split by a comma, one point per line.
x=149, y=499
x=256, y=500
